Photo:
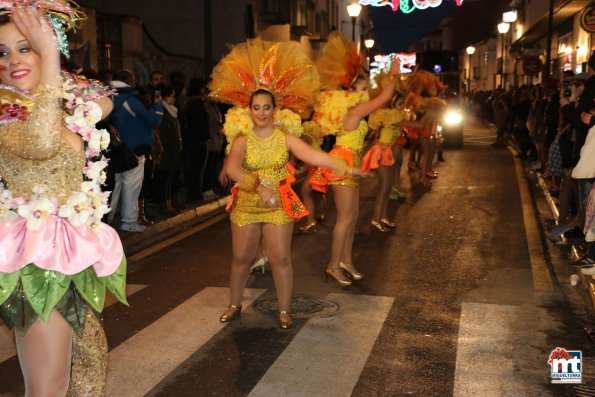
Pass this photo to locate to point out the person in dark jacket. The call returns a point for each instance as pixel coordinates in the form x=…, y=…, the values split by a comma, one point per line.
x=171, y=159
x=134, y=123
x=196, y=138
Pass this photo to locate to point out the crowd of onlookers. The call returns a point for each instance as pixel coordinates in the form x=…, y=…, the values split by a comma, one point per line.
x=553, y=126
x=166, y=148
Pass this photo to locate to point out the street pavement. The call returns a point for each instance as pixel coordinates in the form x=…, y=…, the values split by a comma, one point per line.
x=456, y=302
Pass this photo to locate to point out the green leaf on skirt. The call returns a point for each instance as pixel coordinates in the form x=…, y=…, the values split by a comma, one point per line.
x=116, y=282
x=8, y=282
x=43, y=288
x=91, y=288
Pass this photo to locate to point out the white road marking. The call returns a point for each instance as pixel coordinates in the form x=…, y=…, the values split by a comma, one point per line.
x=484, y=365
x=328, y=354
x=142, y=361
x=7, y=346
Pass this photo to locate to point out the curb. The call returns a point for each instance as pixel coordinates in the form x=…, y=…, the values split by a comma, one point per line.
x=135, y=242
x=586, y=275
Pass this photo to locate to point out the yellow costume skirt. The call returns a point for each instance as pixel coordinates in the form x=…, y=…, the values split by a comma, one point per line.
x=246, y=207
x=379, y=154
x=324, y=177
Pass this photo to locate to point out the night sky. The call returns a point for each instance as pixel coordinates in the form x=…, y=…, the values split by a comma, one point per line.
x=395, y=31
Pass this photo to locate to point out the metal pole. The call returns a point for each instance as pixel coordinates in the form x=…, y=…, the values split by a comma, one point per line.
x=502, y=71
x=469, y=75
x=548, y=50
x=353, y=20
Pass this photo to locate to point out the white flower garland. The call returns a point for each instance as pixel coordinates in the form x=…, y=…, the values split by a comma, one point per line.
x=87, y=206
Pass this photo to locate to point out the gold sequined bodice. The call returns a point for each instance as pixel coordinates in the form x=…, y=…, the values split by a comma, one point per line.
x=32, y=151
x=267, y=157
x=353, y=139
x=60, y=176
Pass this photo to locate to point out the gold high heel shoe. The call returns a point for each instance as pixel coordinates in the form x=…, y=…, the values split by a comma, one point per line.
x=380, y=227
x=286, y=322
x=232, y=312
x=338, y=275
x=309, y=227
x=388, y=223
x=351, y=271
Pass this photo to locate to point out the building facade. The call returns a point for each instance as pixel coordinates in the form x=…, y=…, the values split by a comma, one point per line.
x=192, y=35
x=571, y=41
x=519, y=56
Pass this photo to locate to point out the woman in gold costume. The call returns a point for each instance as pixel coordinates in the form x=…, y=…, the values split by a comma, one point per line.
x=57, y=257
x=341, y=110
x=263, y=76
x=381, y=157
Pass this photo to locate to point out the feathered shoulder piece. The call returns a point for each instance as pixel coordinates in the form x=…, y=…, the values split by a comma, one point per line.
x=339, y=64
x=280, y=68
x=425, y=82
x=333, y=106
x=386, y=117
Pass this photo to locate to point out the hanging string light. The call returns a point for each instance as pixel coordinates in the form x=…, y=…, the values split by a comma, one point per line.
x=406, y=6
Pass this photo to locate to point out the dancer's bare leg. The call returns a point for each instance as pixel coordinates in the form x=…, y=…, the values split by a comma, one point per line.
x=245, y=240
x=277, y=240
x=398, y=155
x=385, y=177
x=348, y=243
x=44, y=355
x=346, y=213
x=413, y=152
x=309, y=200
x=424, y=144
x=431, y=154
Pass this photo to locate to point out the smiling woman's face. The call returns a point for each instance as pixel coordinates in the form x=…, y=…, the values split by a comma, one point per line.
x=20, y=66
x=262, y=110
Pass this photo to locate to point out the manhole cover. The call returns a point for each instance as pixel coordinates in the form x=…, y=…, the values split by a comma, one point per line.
x=302, y=306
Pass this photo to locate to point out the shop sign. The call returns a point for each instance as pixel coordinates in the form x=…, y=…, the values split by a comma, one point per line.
x=588, y=19
x=532, y=65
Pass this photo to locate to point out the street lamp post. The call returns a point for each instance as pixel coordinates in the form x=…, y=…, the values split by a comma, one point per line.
x=503, y=28
x=353, y=9
x=369, y=44
x=470, y=51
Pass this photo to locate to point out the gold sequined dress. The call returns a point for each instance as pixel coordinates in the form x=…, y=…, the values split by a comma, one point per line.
x=266, y=159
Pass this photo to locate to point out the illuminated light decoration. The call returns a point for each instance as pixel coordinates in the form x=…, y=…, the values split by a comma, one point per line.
x=381, y=63
x=406, y=6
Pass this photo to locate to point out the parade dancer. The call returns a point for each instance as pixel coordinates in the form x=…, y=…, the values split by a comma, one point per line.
x=259, y=77
x=57, y=257
x=381, y=157
x=341, y=110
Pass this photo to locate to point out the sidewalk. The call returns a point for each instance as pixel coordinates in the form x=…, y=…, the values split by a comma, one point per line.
x=577, y=283
x=165, y=228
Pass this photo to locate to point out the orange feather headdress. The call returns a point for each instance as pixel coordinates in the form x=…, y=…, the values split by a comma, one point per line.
x=280, y=68
x=340, y=63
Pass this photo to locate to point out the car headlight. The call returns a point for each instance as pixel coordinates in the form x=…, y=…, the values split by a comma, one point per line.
x=453, y=118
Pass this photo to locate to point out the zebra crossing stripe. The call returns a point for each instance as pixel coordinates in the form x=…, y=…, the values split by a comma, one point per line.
x=142, y=361
x=328, y=351
x=484, y=365
x=7, y=346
